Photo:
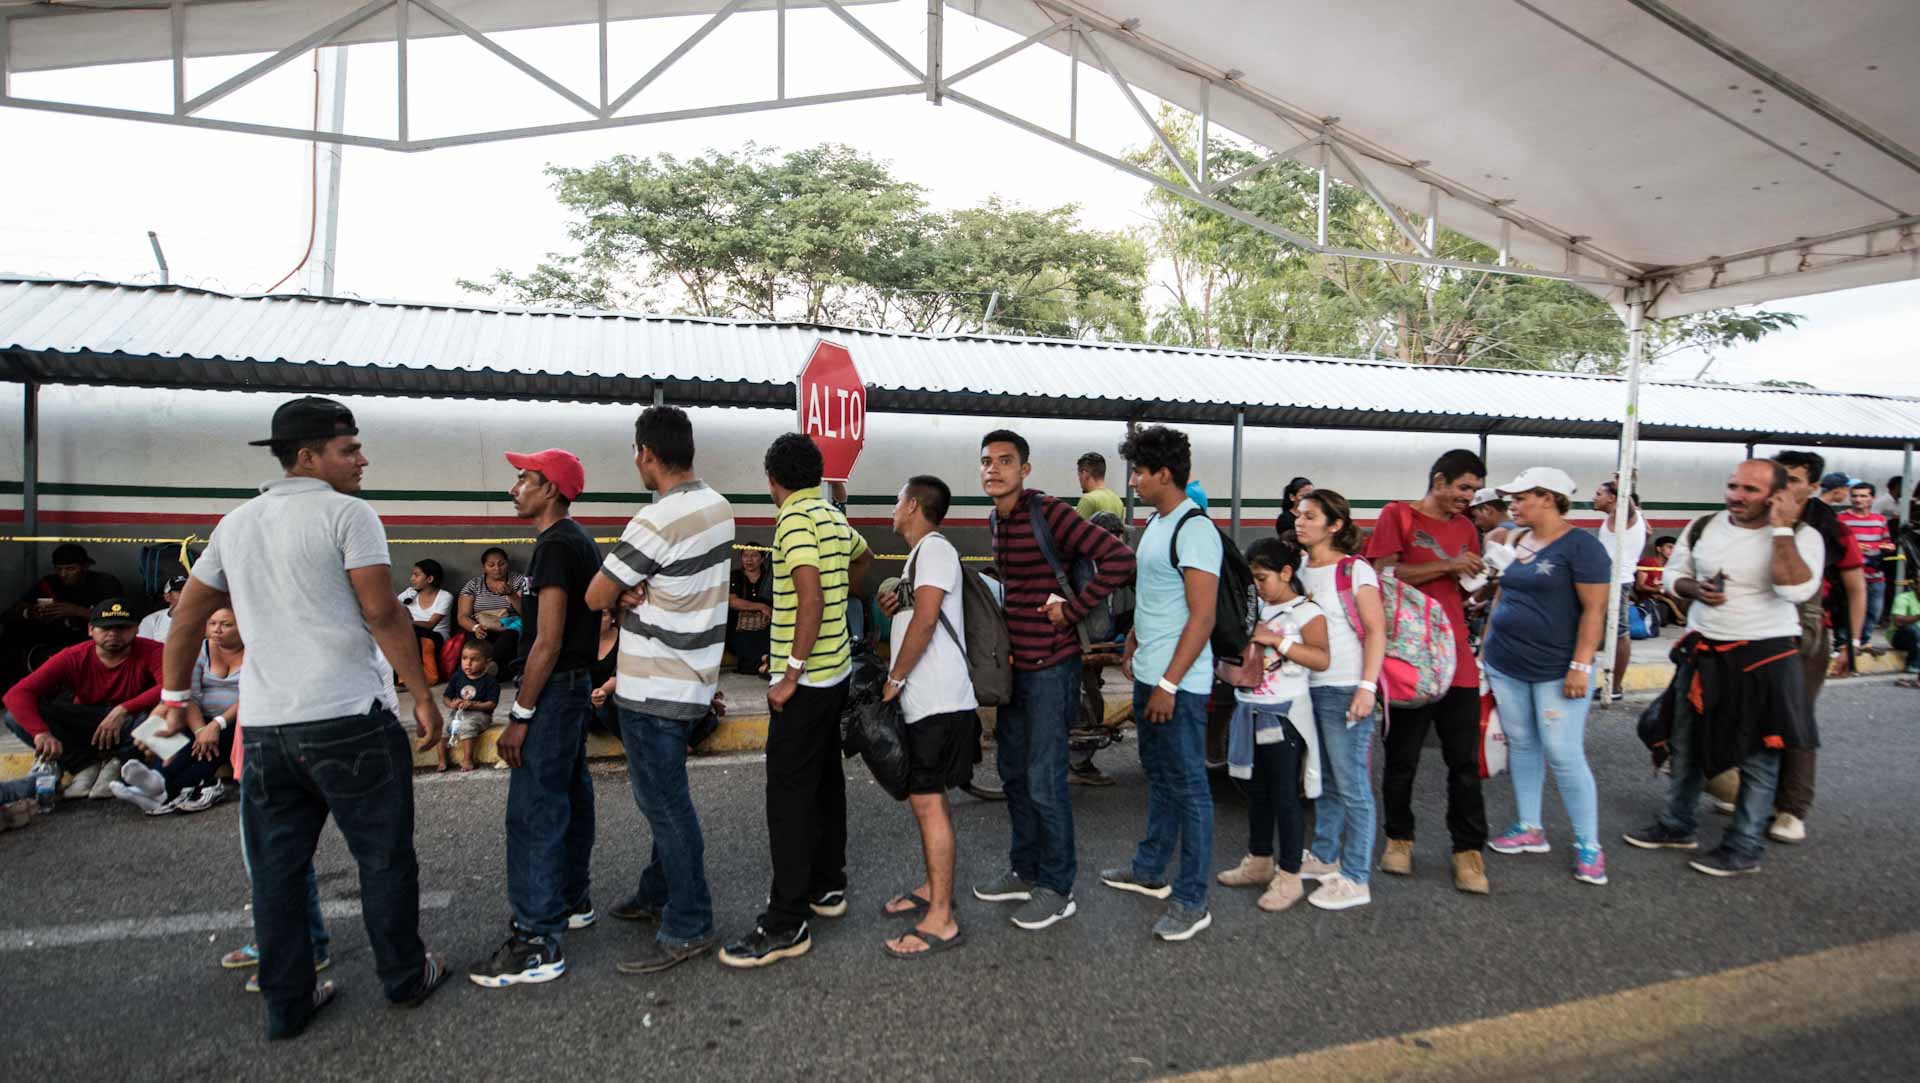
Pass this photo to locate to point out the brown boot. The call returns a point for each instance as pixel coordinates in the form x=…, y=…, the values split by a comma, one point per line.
x=1283, y=891
x=1398, y=859
x=1251, y=872
x=1470, y=873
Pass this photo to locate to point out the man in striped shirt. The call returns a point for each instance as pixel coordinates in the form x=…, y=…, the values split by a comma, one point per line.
x=1031, y=731
x=1876, y=544
x=680, y=547
x=818, y=560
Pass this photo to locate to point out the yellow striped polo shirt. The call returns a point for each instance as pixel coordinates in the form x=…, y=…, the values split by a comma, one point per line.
x=812, y=533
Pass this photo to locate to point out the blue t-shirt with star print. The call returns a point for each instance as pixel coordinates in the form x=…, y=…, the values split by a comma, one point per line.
x=1537, y=618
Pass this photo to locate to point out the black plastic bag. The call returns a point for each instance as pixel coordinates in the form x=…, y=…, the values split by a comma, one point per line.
x=874, y=729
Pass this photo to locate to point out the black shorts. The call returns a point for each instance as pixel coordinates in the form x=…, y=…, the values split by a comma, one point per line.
x=941, y=749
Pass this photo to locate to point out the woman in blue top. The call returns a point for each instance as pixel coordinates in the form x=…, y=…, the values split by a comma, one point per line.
x=1546, y=626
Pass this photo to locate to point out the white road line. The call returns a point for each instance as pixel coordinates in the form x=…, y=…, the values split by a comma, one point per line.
x=67, y=936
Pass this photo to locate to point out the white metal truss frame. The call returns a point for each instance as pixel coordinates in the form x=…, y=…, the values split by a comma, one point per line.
x=1323, y=144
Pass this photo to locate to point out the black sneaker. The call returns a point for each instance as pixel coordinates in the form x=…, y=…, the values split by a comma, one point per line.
x=763, y=948
x=632, y=910
x=1658, y=836
x=1722, y=860
x=656, y=956
x=521, y=960
x=829, y=904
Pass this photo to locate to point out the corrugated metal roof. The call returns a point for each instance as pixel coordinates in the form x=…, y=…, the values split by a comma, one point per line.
x=105, y=333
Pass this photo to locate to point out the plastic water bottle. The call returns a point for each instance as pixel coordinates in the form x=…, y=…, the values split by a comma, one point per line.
x=46, y=783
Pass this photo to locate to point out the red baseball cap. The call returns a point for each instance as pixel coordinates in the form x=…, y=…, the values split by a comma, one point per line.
x=560, y=467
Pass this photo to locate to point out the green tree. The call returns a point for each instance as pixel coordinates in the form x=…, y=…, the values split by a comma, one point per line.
x=824, y=235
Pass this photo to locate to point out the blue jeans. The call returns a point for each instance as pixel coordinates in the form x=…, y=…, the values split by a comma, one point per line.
x=1546, y=729
x=550, y=810
x=1876, y=605
x=1343, y=816
x=1179, y=800
x=359, y=769
x=1759, y=774
x=316, y=921
x=1030, y=742
x=674, y=883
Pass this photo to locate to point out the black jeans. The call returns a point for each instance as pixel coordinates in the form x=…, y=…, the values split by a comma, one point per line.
x=1273, y=801
x=806, y=805
x=1457, y=716
x=359, y=769
x=73, y=725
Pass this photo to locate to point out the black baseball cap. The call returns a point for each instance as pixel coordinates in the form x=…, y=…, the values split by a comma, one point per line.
x=69, y=553
x=176, y=584
x=308, y=418
x=112, y=613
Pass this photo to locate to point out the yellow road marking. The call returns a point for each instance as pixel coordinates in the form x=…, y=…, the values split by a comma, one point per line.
x=1643, y=1028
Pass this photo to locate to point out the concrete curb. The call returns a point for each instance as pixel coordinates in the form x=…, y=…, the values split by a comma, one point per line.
x=748, y=732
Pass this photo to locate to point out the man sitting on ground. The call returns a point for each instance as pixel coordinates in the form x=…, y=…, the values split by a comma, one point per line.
x=53, y=613
x=157, y=624
x=79, y=708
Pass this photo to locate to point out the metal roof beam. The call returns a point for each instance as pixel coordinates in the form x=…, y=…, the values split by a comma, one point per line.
x=713, y=23
x=1126, y=91
x=312, y=41
x=503, y=53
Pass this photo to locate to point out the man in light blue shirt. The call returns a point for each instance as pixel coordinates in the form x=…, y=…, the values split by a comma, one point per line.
x=1177, y=576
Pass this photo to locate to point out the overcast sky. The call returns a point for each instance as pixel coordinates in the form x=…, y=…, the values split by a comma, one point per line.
x=78, y=195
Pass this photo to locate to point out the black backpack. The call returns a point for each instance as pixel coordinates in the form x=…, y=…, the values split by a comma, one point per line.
x=1238, y=605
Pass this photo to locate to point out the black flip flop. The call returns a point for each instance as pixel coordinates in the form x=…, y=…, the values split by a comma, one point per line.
x=919, y=907
x=935, y=944
x=436, y=975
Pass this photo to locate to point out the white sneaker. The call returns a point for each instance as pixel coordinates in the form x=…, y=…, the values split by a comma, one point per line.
x=1724, y=808
x=138, y=799
x=102, y=788
x=1312, y=868
x=1336, y=892
x=1787, y=828
x=82, y=783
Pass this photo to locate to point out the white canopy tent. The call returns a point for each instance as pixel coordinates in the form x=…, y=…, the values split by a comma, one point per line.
x=1669, y=155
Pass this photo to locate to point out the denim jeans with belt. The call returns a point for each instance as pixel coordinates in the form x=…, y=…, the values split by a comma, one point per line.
x=674, y=883
x=1179, y=799
x=1344, y=814
x=550, y=810
x=359, y=769
x=1030, y=745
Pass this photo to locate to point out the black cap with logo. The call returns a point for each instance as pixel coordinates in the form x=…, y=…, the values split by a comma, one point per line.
x=308, y=418
x=112, y=613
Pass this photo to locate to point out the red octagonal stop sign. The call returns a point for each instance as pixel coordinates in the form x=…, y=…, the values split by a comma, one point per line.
x=833, y=408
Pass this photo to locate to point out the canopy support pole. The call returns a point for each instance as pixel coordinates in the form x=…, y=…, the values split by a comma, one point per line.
x=1483, y=455
x=1239, y=450
x=30, y=461
x=1126, y=487
x=1629, y=455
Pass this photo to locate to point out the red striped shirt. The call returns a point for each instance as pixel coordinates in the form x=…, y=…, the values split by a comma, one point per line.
x=1027, y=579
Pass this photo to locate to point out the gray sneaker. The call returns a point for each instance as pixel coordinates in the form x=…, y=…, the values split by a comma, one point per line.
x=1123, y=879
x=1180, y=923
x=1006, y=887
x=1046, y=907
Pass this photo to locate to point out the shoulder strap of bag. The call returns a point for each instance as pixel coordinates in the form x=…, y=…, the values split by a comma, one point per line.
x=1343, y=586
x=1173, y=543
x=941, y=612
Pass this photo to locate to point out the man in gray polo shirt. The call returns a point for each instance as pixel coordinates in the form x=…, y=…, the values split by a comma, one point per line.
x=304, y=566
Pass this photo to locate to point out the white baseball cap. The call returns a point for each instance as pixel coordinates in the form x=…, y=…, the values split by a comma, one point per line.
x=1486, y=496
x=1551, y=478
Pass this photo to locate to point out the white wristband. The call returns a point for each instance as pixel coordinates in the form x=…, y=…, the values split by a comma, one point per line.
x=1783, y=532
x=1580, y=667
x=796, y=663
x=221, y=721
x=521, y=714
x=1370, y=686
x=170, y=698
x=1168, y=687
x=1287, y=643
x=896, y=682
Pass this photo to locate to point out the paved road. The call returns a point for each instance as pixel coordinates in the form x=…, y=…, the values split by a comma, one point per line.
x=1702, y=978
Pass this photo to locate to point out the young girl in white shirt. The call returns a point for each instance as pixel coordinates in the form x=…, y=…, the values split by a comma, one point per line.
x=1272, y=736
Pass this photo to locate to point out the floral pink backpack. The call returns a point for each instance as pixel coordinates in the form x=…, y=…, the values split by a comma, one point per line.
x=1420, y=652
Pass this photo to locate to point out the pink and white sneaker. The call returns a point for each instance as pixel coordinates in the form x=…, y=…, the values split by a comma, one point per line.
x=1521, y=839
x=1589, y=864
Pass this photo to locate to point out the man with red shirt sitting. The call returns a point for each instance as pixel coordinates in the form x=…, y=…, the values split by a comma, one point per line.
x=79, y=707
x=1431, y=543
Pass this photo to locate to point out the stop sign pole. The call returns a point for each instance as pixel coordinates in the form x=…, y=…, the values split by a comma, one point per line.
x=832, y=402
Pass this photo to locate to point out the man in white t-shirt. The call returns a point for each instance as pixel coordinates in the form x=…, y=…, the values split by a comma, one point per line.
x=305, y=568
x=157, y=624
x=931, y=681
x=1745, y=701
x=1606, y=499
